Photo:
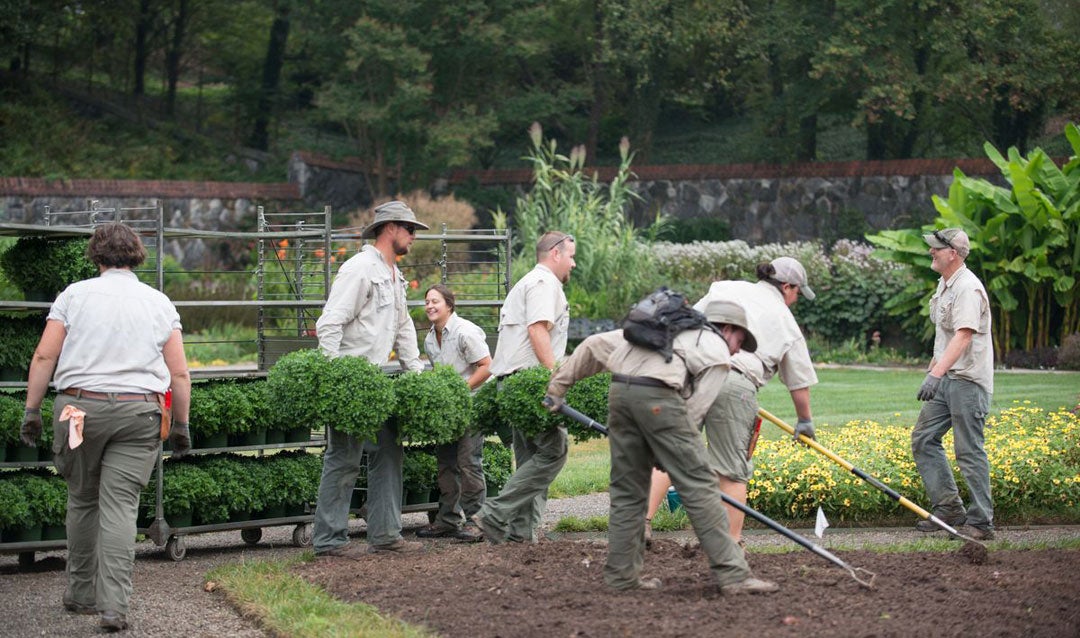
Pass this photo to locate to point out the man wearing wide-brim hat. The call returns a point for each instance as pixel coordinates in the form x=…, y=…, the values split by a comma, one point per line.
x=957, y=390
x=655, y=411
x=366, y=316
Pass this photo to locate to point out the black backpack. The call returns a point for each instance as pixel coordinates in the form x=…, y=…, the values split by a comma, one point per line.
x=654, y=321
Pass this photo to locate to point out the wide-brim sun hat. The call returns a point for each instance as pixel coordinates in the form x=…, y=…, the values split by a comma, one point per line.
x=393, y=211
x=727, y=311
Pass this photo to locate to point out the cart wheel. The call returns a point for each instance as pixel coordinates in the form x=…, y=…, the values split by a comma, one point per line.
x=432, y=515
x=251, y=535
x=176, y=549
x=301, y=535
x=26, y=560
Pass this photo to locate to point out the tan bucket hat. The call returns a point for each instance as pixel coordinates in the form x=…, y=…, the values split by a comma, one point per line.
x=393, y=211
x=725, y=311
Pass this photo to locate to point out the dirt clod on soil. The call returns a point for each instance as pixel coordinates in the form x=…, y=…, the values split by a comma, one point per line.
x=556, y=589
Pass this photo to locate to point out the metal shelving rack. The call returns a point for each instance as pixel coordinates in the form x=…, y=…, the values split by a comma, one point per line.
x=295, y=253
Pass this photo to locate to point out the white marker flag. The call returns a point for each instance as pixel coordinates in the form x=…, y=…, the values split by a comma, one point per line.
x=819, y=527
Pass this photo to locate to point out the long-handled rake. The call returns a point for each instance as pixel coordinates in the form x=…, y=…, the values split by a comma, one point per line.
x=858, y=574
x=973, y=549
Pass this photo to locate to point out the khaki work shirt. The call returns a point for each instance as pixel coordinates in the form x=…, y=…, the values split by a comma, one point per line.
x=116, y=329
x=961, y=302
x=366, y=314
x=781, y=345
x=697, y=371
x=463, y=345
x=538, y=296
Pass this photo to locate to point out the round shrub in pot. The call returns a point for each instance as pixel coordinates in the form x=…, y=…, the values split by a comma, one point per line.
x=433, y=406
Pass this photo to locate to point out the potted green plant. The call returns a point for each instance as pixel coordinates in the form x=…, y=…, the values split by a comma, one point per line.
x=185, y=485
x=265, y=415
x=20, y=335
x=498, y=466
x=590, y=397
x=296, y=476
x=485, y=409
x=11, y=414
x=520, y=402
x=14, y=510
x=236, y=501
x=54, y=512
x=419, y=476
x=350, y=394
x=43, y=266
x=218, y=407
x=432, y=407
x=44, y=508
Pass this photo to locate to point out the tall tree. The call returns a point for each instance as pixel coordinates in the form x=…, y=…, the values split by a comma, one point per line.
x=271, y=75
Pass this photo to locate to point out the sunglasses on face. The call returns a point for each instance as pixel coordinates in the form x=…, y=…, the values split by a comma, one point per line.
x=409, y=228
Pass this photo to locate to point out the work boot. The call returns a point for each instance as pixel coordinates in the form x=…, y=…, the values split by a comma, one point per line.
x=492, y=534
x=469, y=533
x=436, y=530
x=400, y=546
x=348, y=550
x=980, y=533
x=79, y=608
x=750, y=586
x=953, y=517
x=648, y=583
x=113, y=621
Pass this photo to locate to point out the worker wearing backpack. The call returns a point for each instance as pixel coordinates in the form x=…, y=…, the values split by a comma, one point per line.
x=655, y=412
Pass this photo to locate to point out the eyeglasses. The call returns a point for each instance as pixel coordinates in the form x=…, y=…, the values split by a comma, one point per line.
x=941, y=238
x=556, y=244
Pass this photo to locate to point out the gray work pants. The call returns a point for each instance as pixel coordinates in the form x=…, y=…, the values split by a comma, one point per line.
x=519, y=507
x=461, y=479
x=961, y=405
x=121, y=443
x=645, y=425
x=342, y=463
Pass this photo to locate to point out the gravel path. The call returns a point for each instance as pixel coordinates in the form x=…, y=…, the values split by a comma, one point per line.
x=169, y=600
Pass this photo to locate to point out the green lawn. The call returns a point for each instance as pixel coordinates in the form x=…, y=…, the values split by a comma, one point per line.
x=886, y=396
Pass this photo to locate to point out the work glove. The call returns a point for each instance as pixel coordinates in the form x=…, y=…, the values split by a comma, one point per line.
x=929, y=387
x=30, y=432
x=804, y=426
x=179, y=439
x=552, y=403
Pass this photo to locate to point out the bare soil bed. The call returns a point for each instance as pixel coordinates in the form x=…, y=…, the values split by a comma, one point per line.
x=556, y=589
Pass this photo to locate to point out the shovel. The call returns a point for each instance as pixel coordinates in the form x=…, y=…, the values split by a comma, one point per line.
x=858, y=574
x=973, y=549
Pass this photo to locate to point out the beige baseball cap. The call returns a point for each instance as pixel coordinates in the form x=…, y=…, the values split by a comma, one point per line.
x=954, y=238
x=790, y=271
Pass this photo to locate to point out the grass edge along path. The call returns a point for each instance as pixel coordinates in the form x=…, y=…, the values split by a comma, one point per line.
x=285, y=605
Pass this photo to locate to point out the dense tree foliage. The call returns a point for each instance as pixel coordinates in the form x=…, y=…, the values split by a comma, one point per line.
x=416, y=87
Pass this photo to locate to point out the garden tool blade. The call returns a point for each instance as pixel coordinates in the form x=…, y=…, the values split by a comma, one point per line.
x=973, y=549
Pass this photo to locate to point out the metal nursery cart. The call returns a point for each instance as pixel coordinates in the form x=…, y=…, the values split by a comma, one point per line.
x=294, y=258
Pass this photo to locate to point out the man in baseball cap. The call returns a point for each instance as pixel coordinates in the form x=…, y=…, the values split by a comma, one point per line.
x=950, y=238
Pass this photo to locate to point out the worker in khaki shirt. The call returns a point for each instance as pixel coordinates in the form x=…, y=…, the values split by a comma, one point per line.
x=367, y=316
x=655, y=415
x=533, y=329
x=731, y=425
x=957, y=390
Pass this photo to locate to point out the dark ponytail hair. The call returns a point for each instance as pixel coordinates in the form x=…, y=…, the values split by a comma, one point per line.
x=766, y=272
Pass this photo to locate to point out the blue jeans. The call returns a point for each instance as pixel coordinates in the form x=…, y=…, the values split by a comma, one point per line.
x=961, y=405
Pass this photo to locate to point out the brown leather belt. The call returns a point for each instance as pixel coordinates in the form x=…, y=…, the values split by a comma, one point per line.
x=79, y=393
x=649, y=381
